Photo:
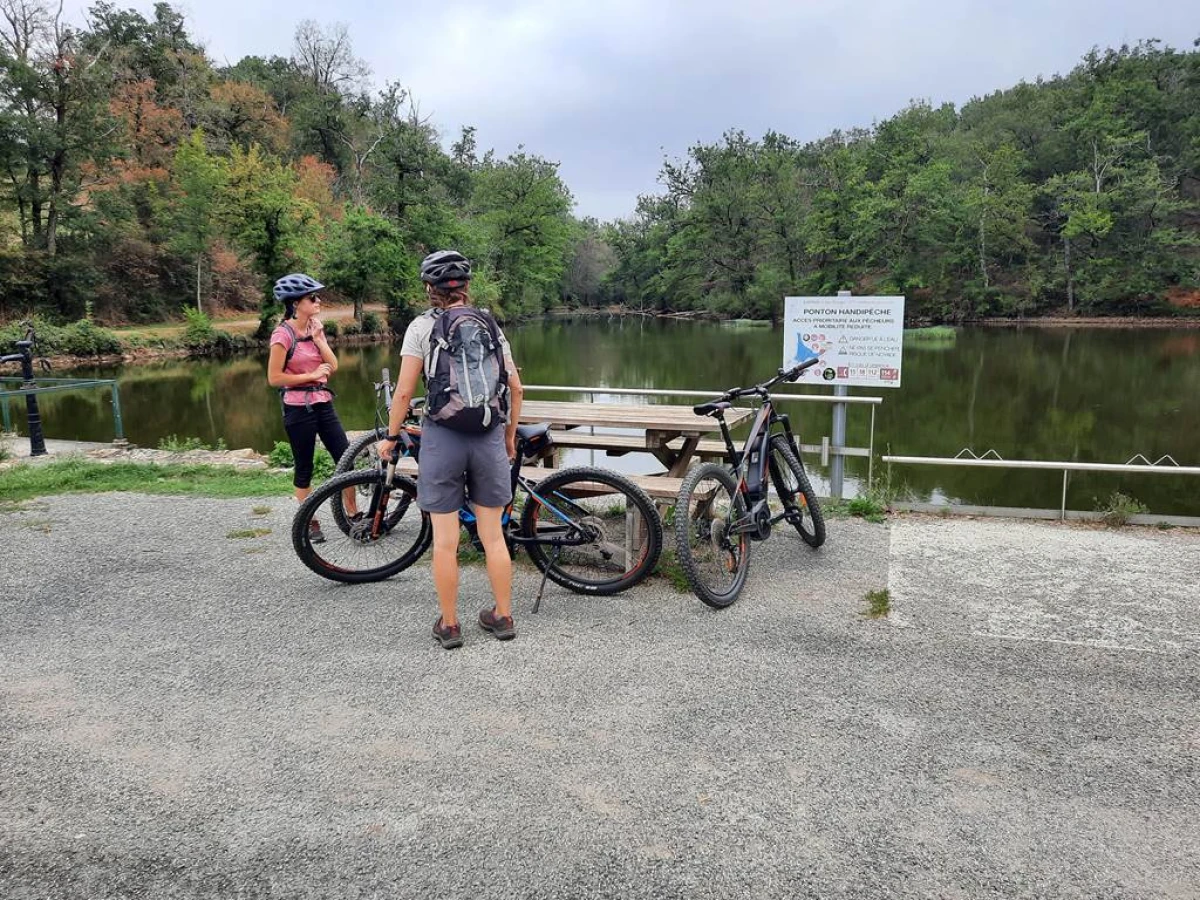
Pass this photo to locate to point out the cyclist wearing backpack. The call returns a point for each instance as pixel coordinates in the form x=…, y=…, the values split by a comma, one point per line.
x=299, y=367
x=468, y=438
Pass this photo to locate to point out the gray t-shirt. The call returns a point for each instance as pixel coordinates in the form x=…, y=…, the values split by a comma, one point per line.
x=420, y=330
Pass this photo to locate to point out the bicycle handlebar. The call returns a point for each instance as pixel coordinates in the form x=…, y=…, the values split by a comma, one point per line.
x=762, y=389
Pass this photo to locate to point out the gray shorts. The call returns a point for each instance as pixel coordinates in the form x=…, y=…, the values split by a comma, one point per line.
x=455, y=465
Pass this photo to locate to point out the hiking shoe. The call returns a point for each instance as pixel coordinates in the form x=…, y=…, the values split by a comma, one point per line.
x=449, y=636
x=501, y=627
x=315, y=534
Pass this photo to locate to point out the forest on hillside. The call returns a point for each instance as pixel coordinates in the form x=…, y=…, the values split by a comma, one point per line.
x=138, y=178
x=1077, y=194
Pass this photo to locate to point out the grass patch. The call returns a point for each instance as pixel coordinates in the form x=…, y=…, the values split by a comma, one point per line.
x=176, y=444
x=1165, y=526
x=935, y=333
x=76, y=476
x=261, y=510
x=670, y=569
x=867, y=507
x=1119, y=508
x=241, y=533
x=879, y=604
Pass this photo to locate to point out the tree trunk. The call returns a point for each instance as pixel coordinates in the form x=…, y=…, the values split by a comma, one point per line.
x=1070, y=278
x=983, y=250
x=199, y=308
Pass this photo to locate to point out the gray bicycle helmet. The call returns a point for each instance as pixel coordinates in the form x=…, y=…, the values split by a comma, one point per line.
x=296, y=286
x=446, y=268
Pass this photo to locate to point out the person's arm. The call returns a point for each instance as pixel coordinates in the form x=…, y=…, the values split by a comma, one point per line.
x=322, y=344
x=406, y=386
x=277, y=378
x=515, y=393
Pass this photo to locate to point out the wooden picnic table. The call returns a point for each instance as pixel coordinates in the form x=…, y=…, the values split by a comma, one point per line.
x=660, y=424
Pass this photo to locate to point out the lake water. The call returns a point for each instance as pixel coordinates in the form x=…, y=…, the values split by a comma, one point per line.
x=1088, y=394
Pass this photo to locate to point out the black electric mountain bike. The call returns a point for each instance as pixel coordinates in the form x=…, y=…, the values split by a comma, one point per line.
x=590, y=530
x=722, y=508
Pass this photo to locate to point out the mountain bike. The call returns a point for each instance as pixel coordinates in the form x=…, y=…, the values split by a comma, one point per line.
x=589, y=530
x=361, y=453
x=722, y=508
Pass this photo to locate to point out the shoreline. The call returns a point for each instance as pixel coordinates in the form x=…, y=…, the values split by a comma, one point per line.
x=141, y=355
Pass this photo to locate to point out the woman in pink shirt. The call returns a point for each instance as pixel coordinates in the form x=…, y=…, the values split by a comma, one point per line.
x=299, y=366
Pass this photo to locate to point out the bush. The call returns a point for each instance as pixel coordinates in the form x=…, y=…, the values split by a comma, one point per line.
x=351, y=328
x=198, y=332
x=371, y=324
x=1119, y=509
x=80, y=338
x=331, y=328
x=281, y=457
x=85, y=339
x=182, y=445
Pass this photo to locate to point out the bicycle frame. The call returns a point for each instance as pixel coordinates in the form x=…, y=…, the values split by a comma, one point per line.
x=410, y=441
x=750, y=464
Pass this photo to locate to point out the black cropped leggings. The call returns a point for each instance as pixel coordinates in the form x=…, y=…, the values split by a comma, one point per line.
x=302, y=426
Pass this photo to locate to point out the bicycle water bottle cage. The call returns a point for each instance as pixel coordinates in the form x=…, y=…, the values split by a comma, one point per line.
x=707, y=409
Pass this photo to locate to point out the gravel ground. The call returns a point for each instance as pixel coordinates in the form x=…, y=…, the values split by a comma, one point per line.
x=186, y=714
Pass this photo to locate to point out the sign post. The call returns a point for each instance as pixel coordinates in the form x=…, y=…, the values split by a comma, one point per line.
x=859, y=342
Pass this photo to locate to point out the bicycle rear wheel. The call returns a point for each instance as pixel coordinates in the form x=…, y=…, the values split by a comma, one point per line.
x=714, y=559
x=391, y=534
x=796, y=492
x=597, y=531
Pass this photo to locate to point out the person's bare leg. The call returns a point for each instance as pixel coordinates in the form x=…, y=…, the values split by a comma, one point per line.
x=445, y=564
x=499, y=562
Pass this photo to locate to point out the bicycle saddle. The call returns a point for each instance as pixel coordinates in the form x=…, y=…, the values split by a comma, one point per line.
x=707, y=409
x=530, y=432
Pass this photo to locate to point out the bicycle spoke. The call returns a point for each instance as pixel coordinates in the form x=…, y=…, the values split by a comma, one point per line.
x=597, y=532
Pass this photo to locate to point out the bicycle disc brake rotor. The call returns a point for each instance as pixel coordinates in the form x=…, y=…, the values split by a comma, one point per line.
x=593, y=528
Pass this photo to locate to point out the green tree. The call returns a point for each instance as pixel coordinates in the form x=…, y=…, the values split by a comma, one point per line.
x=198, y=181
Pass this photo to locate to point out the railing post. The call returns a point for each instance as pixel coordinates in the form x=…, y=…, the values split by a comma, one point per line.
x=118, y=424
x=33, y=416
x=1062, y=510
x=837, y=466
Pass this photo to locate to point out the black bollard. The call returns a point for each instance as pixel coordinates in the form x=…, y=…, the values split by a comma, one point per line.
x=37, y=440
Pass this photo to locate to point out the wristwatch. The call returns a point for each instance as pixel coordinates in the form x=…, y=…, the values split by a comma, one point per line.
x=391, y=437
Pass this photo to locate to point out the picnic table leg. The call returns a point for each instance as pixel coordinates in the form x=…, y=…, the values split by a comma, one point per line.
x=678, y=466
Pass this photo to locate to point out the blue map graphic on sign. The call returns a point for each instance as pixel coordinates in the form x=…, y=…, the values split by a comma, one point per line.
x=803, y=352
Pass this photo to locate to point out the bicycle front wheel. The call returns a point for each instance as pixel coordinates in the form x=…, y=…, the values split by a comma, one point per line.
x=796, y=492
x=386, y=536
x=596, y=531
x=714, y=556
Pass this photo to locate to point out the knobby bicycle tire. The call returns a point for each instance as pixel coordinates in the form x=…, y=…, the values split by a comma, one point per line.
x=361, y=453
x=714, y=561
x=796, y=492
x=359, y=551
x=625, y=530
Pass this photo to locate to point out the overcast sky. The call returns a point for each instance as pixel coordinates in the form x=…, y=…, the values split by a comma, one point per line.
x=609, y=87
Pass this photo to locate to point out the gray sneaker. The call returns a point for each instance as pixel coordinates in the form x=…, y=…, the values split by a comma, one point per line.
x=315, y=534
x=502, y=627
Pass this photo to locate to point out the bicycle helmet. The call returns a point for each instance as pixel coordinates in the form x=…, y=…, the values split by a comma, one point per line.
x=296, y=286
x=446, y=268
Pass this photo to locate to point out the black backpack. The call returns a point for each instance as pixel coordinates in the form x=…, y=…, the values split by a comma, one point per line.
x=466, y=379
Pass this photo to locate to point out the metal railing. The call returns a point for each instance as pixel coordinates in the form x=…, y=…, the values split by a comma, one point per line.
x=57, y=385
x=827, y=449
x=1164, y=465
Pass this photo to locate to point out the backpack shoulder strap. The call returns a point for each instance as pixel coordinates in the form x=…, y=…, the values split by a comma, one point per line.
x=291, y=350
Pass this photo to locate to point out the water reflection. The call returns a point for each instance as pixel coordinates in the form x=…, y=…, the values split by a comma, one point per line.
x=1065, y=394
